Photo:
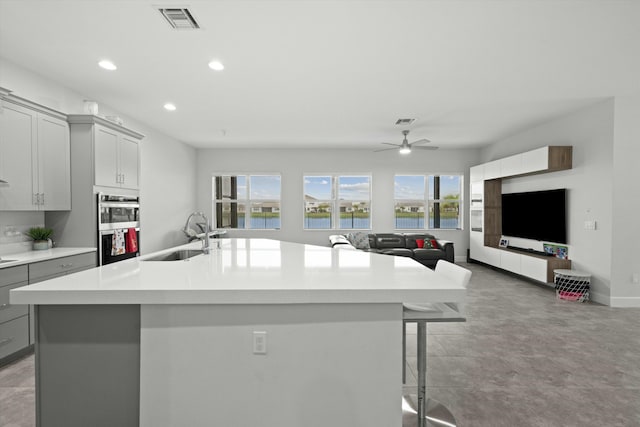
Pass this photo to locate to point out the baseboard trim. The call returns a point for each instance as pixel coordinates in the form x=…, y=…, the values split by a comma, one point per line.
x=625, y=302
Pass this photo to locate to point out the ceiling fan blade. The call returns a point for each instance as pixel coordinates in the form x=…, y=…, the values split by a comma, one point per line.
x=388, y=143
x=420, y=141
x=430, y=147
x=385, y=149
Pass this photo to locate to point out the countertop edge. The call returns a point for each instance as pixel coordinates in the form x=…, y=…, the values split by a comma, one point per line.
x=30, y=257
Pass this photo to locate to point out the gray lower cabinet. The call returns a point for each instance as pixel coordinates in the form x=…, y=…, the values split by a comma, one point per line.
x=45, y=270
x=14, y=319
x=17, y=321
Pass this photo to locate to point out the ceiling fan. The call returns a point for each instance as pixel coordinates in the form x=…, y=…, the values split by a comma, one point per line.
x=406, y=147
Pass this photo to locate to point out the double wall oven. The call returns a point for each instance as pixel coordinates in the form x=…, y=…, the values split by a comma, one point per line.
x=118, y=227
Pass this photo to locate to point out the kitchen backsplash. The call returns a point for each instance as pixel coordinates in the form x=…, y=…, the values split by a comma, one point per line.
x=13, y=225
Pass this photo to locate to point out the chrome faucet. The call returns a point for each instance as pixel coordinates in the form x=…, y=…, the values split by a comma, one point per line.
x=193, y=235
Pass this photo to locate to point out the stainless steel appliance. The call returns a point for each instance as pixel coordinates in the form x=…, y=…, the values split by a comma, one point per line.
x=118, y=215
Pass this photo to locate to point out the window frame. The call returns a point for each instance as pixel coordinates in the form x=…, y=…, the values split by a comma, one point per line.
x=336, y=202
x=430, y=203
x=247, y=201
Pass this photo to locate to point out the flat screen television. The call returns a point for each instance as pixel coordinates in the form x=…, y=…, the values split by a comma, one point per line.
x=536, y=215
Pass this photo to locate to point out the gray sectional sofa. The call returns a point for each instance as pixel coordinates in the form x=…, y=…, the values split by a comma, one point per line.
x=423, y=247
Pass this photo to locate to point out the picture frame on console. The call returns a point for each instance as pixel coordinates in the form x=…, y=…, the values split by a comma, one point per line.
x=503, y=243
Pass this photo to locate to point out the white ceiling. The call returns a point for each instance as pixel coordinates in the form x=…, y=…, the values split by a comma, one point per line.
x=334, y=73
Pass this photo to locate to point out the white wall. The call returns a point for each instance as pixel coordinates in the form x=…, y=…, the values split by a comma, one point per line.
x=626, y=203
x=167, y=174
x=294, y=163
x=590, y=132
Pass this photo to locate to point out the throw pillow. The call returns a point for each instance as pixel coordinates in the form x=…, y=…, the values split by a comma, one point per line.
x=420, y=243
x=359, y=239
x=434, y=244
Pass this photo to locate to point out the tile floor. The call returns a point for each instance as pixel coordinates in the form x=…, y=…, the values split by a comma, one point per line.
x=522, y=359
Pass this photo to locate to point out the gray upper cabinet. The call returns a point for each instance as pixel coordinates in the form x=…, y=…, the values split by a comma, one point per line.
x=35, y=160
x=115, y=150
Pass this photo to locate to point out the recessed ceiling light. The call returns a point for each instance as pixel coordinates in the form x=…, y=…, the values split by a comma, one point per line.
x=216, y=65
x=169, y=107
x=107, y=65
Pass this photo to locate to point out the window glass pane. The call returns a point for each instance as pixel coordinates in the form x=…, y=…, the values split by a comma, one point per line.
x=444, y=214
x=229, y=187
x=317, y=214
x=409, y=215
x=265, y=187
x=230, y=215
x=354, y=188
x=355, y=215
x=318, y=187
x=450, y=187
x=265, y=215
x=409, y=187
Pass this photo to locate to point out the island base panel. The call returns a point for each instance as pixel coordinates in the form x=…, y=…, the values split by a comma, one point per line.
x=87, y=365
x=333, y=365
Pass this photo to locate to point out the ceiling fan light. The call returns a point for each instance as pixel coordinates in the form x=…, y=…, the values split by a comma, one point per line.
x=405, y=150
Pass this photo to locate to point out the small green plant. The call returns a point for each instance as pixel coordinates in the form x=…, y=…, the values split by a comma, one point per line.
x=39, y=233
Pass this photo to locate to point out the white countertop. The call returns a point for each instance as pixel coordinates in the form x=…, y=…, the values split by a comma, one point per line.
x=250, y=271
x=29, y=257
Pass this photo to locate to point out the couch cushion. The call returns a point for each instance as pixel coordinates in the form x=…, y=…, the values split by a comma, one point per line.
x=359, y=239
x=425, y=254
x=398, y=252
x=389, y=240
x=411, y=239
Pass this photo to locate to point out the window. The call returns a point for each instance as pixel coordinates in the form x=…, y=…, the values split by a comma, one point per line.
x=247, y=201
x=337, y=202
x=435, y=197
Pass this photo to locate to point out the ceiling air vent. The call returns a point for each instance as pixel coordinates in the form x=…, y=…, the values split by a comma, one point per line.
x=405, y=122
x=179, y=18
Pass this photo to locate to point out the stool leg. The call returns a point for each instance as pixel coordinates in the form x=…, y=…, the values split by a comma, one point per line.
x=422, y=373
x=404, y=352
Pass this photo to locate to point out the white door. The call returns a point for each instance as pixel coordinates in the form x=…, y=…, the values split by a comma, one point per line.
x=54, y=159
x=106, y=161
x=18, y=142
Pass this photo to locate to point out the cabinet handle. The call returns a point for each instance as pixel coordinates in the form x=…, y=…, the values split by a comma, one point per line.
x=42, y=198
x=6, y=341
x=34, y=199
x=3, y=306
x=66, y=265
x=122, y=182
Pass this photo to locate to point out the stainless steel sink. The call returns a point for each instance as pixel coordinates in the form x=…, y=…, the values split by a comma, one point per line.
x=180, y=255
x=2, y=261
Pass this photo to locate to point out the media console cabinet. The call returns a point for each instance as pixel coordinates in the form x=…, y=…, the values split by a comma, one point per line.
x=486, y=211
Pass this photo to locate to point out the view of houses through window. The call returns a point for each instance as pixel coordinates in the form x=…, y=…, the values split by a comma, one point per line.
x=437, y=195
x=337, y=202
x=247, y=201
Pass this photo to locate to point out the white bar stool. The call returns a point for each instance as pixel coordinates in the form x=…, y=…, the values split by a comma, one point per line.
x=418, y=410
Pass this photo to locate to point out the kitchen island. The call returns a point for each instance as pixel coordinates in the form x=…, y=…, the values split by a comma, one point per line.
x=257, y=332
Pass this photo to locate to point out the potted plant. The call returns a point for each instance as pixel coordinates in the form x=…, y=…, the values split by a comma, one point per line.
x=40, y=236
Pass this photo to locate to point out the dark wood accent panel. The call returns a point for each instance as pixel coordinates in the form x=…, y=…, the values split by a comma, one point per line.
x=560, y=158
x=492, y=212
x=554, y=264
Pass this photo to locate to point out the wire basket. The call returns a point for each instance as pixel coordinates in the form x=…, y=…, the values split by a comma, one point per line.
x=572, y=285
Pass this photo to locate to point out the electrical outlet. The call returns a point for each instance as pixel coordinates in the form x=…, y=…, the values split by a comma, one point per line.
x=590, y=225
x=259, y=342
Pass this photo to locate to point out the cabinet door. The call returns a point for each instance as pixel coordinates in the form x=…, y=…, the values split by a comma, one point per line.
x=129, y=162
x=54, y=171
x=18, y=140
x=510, y=166
x=510, y=261
x=535, y=160
x=106, y=157
x=534, y=268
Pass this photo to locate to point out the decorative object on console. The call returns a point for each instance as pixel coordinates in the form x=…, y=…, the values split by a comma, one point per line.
x=503, y=243
x=559, y=251
x=41, y=237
